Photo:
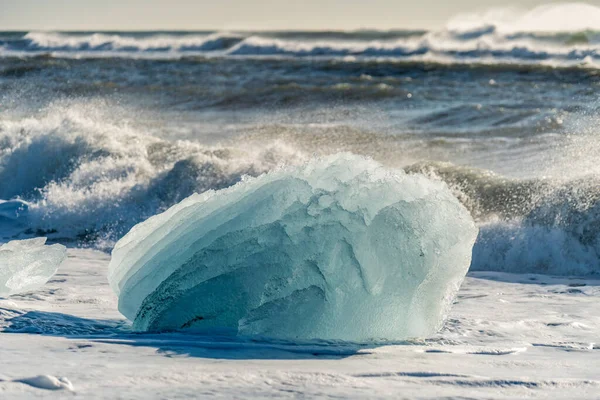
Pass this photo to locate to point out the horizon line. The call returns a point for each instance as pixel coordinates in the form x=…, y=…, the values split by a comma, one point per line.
x=199, y=30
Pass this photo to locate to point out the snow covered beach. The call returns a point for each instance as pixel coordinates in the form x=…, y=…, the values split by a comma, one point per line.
x=508, y=336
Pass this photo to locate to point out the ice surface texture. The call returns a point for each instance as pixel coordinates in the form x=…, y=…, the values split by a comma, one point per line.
x=28, y=264
x=339, y=248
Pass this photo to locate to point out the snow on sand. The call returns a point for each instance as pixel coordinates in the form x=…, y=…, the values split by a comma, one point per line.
x=508, y=336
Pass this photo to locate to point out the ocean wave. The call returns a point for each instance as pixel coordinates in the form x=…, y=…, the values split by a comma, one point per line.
x=448, y=46
x=64, y=42
x=542, y=36
x=534, y=226
x=546, y=19
x=445, y=46
x=76, y=173
x=86, y=179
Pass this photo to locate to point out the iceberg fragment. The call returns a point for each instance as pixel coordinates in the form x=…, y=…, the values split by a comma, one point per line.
x=339, y=248
x=28, y=264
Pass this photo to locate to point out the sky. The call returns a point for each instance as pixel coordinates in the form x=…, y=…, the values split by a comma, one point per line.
x=240, y=14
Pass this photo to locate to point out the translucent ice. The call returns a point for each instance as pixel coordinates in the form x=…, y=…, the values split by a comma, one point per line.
x=339, y=248
x=28, y=264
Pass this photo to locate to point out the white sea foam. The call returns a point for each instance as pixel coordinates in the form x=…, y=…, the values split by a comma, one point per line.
x=436, y=47
x=560, y=17
x=54, y=41
x=85, y=174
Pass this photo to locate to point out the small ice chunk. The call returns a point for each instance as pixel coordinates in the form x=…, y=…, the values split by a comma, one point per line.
x=28, y=264
x=339, y=248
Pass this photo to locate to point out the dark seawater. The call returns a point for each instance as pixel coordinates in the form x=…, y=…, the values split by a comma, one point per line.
x=99, y=131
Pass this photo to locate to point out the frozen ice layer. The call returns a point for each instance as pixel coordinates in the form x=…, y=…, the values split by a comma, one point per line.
x=339, y=248
x=28, y=264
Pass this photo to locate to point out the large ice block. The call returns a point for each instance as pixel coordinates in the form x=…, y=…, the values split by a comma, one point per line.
x=339, y=248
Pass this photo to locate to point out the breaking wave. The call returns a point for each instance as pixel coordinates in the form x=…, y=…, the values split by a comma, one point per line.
x=77, y=174
x=534, y=226
x=488, y=46
x=557, y=35
x=53, y=41
x=76, y=177
x=545, y=19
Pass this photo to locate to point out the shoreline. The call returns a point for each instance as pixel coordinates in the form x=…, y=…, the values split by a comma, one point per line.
x=491, y=346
